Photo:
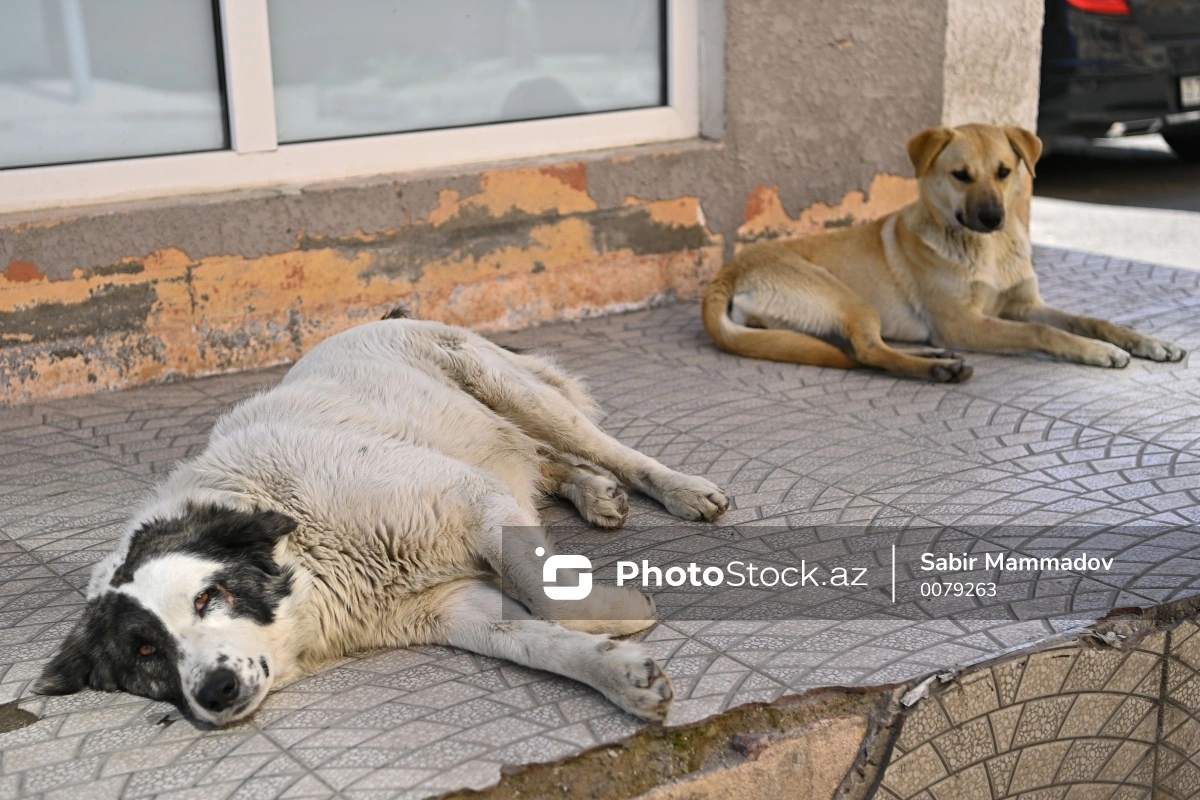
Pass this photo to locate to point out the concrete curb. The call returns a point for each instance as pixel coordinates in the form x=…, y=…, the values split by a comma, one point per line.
x=1160, y=236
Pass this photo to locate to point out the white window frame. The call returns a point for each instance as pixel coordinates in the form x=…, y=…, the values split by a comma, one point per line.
x=257, y=159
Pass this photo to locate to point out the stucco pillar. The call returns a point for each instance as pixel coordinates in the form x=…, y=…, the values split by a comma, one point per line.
x=993, y=55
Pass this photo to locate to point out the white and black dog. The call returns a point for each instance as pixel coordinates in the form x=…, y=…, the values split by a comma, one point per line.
x=359, y=505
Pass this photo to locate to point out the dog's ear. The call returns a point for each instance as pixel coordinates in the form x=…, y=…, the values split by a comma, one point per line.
x=237, y=530
x=68, y=671
x=267, y=526
x=926, y=146
x=246, y=536
x=1027, y=145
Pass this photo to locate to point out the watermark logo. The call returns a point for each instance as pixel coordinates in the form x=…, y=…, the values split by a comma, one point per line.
x=756, y=572
x=550, y=571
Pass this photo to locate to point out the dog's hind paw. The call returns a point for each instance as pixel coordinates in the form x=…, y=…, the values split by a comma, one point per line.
x=605, y=503
x=1157, y=350
x=634, y=681
x=598, y=497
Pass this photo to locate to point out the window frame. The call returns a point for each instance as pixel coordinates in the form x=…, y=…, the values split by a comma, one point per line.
x=256, y=159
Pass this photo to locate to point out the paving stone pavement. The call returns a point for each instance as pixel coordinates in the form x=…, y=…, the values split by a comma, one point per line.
x=1038, y=457
x=1068, y=723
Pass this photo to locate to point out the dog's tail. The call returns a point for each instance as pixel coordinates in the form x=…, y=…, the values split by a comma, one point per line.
x=769, y=344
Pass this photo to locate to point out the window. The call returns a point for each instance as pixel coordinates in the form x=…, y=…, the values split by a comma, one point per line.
x=387, y=67
x=82, y=80
x=122, y=98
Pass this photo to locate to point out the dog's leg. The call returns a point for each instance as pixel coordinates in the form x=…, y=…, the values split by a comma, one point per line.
x=862, y=328
x=495, y=378
x=563, y=427
x=1135, y=343
x=797, y=295
x=595, y=492
x=994, y=335
x=477, y=617
x=515, y=546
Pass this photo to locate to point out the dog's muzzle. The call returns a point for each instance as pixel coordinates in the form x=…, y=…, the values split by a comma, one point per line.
x=986, y=220
x=219, y=691
x=990, y=219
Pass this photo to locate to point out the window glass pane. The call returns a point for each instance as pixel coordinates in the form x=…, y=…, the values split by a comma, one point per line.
x=82, y=80
x=381, y=66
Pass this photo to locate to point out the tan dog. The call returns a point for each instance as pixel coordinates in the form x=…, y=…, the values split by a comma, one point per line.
x=951, y=270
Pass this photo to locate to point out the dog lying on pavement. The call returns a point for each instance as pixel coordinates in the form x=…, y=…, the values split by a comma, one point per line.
x=359, y=505
x=949, y=271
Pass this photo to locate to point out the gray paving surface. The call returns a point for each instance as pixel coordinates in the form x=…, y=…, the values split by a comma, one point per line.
x=1041, y=457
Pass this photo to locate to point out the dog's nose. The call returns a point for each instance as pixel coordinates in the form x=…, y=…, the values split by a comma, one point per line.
x=991, y=218
x=219, y=690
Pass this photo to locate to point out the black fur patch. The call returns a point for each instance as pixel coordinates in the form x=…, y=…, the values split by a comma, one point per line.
x=101, y=652
x=218, y=534
x=254, y=596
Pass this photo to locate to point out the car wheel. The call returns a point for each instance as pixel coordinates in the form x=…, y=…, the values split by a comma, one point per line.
x=1185, y=145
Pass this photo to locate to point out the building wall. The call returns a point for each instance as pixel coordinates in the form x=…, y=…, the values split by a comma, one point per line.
x=820, y=99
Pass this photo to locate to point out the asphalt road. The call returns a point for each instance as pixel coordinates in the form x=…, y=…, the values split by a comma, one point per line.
x=1139, y=172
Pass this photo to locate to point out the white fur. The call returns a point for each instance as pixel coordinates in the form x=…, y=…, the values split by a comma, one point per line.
x=402, y=448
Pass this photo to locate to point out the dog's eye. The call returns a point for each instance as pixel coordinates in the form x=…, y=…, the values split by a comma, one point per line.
x=961, y=175
x=145, y=650
x=1003, y=172
x=201, y=601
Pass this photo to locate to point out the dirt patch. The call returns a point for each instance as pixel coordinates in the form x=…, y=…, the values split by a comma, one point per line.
x=13, y=718
x=755, y=738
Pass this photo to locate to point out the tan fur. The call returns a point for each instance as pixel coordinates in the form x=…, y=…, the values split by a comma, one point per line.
x=931, y=273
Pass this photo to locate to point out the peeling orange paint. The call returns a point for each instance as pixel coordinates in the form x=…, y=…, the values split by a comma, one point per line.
x=270, y=309
x=46, y=224
x=169, y=264
x=600, y=285
x=358, y=237
x=23, y=272
x=761, y=201
x=573, y=175
x=447, y=208
x=681, y=211
x=766, y=217
x=532, y=190
x=552, y=259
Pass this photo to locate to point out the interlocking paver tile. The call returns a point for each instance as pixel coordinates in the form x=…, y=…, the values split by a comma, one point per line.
x=1034, y=456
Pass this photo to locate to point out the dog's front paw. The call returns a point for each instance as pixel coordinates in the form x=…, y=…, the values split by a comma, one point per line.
x=634, y=681
x=693, y=498
x=1157, y=350
x=950, y=370
x=1103, y=354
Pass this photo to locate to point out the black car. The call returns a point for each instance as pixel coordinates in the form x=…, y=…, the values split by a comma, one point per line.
x=1120, y=67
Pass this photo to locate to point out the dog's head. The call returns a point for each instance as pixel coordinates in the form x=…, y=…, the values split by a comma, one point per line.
x=182, y=614
x=969, y=175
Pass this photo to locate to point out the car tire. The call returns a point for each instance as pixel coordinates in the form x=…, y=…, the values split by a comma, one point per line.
x=1185, y=145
